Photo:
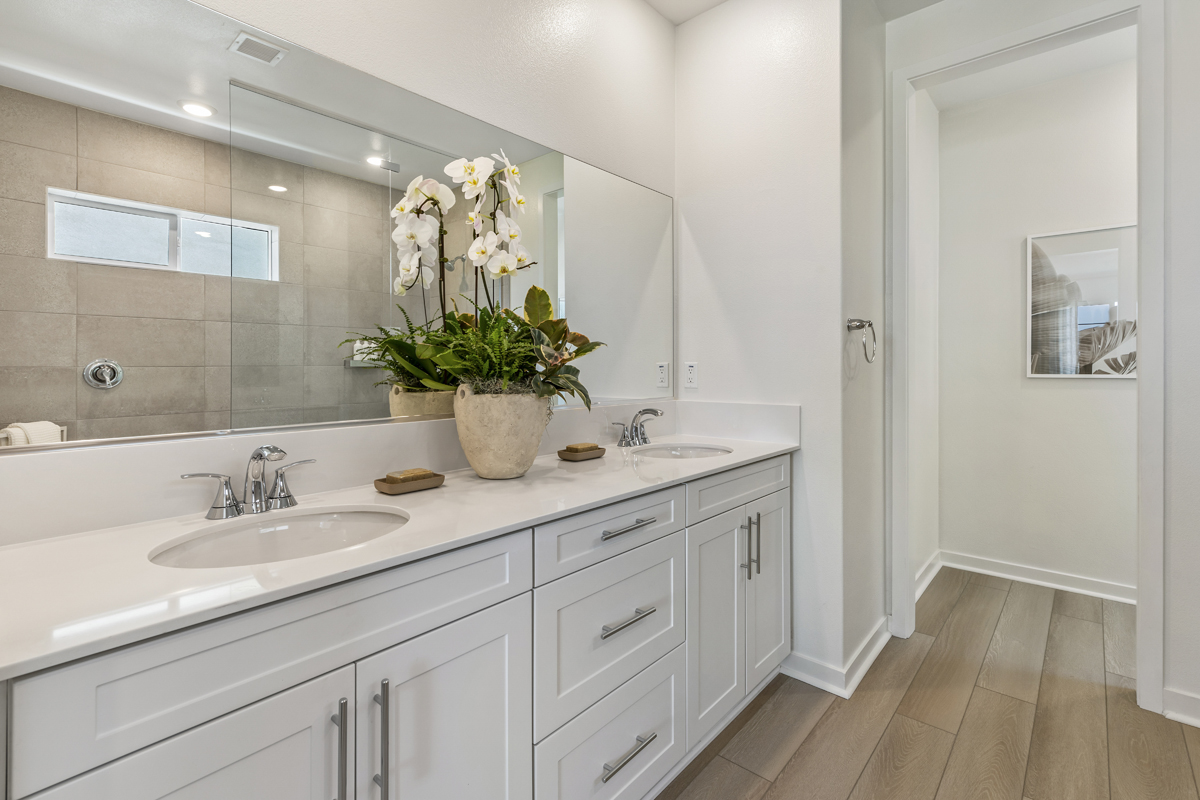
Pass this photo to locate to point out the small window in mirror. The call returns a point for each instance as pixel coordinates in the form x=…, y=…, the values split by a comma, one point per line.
x=108, y=230
x=108, y=234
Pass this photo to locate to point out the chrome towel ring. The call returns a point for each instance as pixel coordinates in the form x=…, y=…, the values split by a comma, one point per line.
x=862, y=325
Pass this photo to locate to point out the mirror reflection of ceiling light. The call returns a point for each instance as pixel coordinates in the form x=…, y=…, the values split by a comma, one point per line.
x=197, y=109
x=205, y=234
x=277, y=188
x=375, y=161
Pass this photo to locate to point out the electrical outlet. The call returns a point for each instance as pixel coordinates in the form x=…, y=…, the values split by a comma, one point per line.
x=663, y=374
x=691, y=375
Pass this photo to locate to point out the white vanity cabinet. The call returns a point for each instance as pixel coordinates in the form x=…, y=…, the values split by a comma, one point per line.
x=289, y=746
x=448, y=715
x=738, y=606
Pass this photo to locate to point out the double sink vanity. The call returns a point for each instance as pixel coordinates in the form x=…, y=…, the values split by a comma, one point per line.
x=574, y=634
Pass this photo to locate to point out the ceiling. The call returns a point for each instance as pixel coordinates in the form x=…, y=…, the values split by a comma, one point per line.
x=680, y=11
x=1098, y=51
x=894, y=9
x=139, y=58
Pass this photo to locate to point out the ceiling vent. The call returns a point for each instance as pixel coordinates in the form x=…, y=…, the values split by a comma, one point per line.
x=253, y=47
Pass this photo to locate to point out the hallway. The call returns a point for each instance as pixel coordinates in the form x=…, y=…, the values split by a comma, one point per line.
x=1006, y=690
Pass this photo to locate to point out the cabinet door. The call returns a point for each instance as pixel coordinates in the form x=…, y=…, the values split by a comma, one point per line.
x=459, y=713
x=283, y=748
x=768, y=604
x=716, y=632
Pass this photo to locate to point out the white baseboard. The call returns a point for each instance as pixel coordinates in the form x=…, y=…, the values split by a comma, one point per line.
x=926, y=574
x=1181, y=707
x=690, y=756
x=841, y=682
x=1041, y=577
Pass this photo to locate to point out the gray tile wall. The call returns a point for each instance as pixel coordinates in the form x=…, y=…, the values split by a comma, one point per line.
x=199, y=352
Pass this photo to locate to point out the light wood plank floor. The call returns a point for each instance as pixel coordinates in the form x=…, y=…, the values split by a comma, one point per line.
x=1007, y=691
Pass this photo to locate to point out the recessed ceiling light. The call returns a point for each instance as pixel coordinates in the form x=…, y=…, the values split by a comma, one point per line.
x=375, y=161
x=197, y=109
x=277, y=188
x=205, y=234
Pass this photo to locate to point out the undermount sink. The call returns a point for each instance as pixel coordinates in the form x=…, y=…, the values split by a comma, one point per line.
x=681, y=450
x=277, y=536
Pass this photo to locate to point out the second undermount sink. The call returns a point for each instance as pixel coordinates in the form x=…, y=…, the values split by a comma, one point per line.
x=278, y=536
x=681, y=450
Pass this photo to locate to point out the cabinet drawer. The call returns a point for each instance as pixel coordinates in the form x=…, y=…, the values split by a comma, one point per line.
x=575, y=661
x=571, y=762
x=717, y=494
x=570, y=544
x=76, y=717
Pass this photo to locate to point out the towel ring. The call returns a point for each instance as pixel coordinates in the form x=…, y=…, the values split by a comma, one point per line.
x=862, y=325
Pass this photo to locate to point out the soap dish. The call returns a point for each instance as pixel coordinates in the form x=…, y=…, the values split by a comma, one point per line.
x=587, y=455
x=412, y=486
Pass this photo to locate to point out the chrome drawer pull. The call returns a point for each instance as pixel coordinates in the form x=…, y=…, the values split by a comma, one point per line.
x=381, y=778
x=638, y=615
x=642, y=744
x=342, y=720
x=758, y=543
x=637, y=523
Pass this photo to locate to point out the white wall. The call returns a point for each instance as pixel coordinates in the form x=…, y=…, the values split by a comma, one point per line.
x=758, y=249
x=539, y=177
x=1181, y=679
x=591, y=78
x=862, y=297
x=619, y=279
x=924, y=210
x=1036, y=472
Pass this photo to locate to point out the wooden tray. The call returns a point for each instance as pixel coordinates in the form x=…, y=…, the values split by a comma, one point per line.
x=587, y=456
x=411, y=486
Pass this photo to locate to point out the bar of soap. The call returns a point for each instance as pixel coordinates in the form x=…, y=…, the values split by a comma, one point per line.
x=582, y=447
x=409, y=475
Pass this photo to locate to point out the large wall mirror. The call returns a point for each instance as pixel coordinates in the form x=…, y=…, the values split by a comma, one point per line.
x=190, y=235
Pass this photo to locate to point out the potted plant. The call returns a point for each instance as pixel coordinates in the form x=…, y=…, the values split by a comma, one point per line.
x=418, y=386
x=507, y=367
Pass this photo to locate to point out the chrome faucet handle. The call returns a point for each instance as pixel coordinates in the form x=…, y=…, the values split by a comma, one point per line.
x=281, y=496
x=225, y=505
x=625, y=441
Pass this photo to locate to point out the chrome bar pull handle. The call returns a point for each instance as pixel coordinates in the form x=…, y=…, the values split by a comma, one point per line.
x=610, y=771
x=751, y=562
x=758, y=542
x=342, y=720
x=637, y=523
x=384, y=701
x=639, y=614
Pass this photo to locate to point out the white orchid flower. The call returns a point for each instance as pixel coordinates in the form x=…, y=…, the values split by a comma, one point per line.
x=406, y=206
x=413, y=229
x=507, y=228
x=475, y=219
x=475, y=186
x=445, y=197
x=398, y=287
x=462, y=169
x=502, y=264
x=408, y=265
x=429, y=256
x=516, y=201
x=432, y=190
x=512, y=171
x=482, y=248
x=524, y=259
x=426, y=277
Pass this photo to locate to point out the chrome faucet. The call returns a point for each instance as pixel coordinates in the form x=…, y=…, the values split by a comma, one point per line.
x=637, y=428
x=254, y=494
x=226, y=505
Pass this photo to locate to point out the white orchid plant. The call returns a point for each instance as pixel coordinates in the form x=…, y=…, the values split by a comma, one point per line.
x=419, y=235
x=499, y=250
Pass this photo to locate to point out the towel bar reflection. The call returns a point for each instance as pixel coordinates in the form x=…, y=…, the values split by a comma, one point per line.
x=863, y=325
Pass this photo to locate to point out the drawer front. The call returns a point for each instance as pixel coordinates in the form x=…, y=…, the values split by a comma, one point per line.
x=648, y=710
x=575, y=661
x=73, y=718
x=717, y=494
x=568, y=545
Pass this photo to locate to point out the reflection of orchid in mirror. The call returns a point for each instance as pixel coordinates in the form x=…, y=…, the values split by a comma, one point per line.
x=419, y=235
x=502, y=264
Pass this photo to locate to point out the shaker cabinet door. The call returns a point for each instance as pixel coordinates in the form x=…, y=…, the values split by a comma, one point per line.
x=286, y=747
x=768, y=602
x=456, y=714
x=716, y=631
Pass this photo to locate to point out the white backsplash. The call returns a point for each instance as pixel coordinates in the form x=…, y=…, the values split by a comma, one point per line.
x=60, y=492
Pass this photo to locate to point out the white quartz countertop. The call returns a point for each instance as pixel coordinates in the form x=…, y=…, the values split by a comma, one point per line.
x=74, y=596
